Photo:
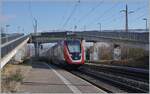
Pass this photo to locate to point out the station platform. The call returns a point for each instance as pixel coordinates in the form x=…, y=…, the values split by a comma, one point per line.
x=46, y=78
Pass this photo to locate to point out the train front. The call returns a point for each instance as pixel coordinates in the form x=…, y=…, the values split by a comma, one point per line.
x=74, y=52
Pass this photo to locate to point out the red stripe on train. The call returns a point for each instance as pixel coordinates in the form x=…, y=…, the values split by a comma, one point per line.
x=67, y=57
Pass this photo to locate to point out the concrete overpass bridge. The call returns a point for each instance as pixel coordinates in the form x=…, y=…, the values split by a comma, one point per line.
x=14, y=45
x=131, y=39
x=92, y=36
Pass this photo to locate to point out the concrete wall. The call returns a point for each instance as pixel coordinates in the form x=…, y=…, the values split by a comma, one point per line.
x=21, y=54
x=17, y=54
x=108, y=51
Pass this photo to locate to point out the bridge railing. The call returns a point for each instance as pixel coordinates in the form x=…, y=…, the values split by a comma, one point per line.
x=143, y=37
x=12, y=44
x=10, y=37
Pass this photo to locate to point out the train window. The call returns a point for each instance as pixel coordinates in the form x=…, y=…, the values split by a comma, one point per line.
x=74, y=46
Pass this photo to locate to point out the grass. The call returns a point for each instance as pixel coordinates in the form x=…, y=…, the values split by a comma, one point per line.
x=16, y=77
x=11, y=76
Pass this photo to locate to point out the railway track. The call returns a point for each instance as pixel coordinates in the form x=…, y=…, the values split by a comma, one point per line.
x=127, y=72
x=112, y=82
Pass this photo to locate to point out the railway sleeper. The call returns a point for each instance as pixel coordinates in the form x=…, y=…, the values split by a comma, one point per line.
x=131, y=85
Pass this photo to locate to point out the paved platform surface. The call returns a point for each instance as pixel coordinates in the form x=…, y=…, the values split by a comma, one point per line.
x=46, y=78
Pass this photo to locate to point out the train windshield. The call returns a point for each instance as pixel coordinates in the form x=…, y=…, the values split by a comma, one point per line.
x=74, y=46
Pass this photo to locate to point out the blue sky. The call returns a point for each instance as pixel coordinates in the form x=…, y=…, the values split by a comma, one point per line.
x=52, y=14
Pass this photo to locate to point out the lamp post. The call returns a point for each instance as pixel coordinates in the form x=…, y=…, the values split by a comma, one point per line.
x=145, y=23
x=35, y=25
x=6, y=33
x=7, y=28
x=99, y=26
x=36, y=44
x=75, y=27
x=22, y=29
x=84, y=28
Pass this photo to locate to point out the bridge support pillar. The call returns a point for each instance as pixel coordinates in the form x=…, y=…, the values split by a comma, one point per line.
x=116, y=52
x=83, y=42
x=94, y=54
x=36, y=45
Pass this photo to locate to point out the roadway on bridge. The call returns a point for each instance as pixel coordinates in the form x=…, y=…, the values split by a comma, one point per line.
x=46, y=78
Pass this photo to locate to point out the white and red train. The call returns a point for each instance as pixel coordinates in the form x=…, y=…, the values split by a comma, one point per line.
x=67, y=53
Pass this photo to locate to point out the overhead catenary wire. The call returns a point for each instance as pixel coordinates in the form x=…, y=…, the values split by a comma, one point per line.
x=140, y=17
x=90, y=11
x=117, y=18
x=104, y=13
x=33, y=19
x=82, y=18
x=30, y=13
x=136, y=10
x=71, y=14
x=139, y=8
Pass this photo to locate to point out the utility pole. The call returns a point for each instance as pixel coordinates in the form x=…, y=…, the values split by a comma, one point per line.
x=99, y=26
x=35, y=26
x=6, y=34
x=84, y=28
x=7, y=28
x=126, y=24
x=126, y=11
x=75, y=27
x=126, y=17
x=36, y=43
x=145, y=23
x=23, y=29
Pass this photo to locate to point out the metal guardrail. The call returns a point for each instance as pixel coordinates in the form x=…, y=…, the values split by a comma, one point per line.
x=9, y=46
x=140, y=37
x=136, y=36
x=110, y=39
x=10, y=37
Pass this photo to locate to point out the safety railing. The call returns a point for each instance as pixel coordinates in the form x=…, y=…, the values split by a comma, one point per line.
x=136, y=36
x=12, y=44
x=8, y=38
